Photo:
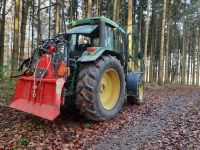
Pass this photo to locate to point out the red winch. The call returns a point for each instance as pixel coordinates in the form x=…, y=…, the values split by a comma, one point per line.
x=40, y=93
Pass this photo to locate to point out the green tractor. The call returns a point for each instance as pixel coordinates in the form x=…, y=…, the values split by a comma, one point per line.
x=88, y=66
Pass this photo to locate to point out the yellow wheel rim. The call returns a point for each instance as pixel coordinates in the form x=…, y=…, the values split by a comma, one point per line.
x=141, y=91
x=109, y=89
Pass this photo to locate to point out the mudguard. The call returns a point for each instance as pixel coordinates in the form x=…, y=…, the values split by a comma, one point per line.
x=133, y=82
x=89, y=57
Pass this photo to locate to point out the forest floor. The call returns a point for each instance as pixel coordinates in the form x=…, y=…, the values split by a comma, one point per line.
x=169, y=119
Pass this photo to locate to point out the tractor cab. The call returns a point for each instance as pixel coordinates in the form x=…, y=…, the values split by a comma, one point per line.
x=89, y=35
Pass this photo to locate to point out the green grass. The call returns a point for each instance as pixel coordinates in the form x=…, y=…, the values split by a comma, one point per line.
x=87, y=125
x=7, y=86
x=23, y=141
x=13, y=148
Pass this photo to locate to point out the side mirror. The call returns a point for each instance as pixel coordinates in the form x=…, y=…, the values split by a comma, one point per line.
x=140, y=55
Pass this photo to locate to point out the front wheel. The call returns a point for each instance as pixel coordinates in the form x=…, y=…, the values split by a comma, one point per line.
x=139, y=99
x=101, y=89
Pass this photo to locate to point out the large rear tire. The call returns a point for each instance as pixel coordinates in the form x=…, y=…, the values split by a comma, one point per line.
x=101, y=89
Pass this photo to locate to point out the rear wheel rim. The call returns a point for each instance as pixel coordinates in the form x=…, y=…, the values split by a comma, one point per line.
x=109, y=89
x=141, y=90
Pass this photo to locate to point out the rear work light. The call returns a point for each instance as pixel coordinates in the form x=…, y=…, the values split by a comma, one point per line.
x=52, y=48
x=62, y=69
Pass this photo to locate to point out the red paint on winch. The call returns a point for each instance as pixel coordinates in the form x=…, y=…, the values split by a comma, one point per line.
x=46, y=103
x=44, y=64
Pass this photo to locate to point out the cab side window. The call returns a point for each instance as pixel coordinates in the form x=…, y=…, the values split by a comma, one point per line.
x=119, y=43
x=109, y=40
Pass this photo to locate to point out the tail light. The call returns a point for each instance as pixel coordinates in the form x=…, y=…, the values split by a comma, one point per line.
x=91, y=49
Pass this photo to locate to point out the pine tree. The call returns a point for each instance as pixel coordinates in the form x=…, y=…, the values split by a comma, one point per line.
x=130, y=30
x=115, y=10
x=15, y=52
x=161, y=62
x=38, y=24
x=97, y=8
x=25, y=7
x=140, y=27
x=153, y=43
x=89, y=14
x=83, y=9
x=146, y=37
x=198, y=57
x=2, y=32
x=183, y=65
x=58, y=16
x=169, y=25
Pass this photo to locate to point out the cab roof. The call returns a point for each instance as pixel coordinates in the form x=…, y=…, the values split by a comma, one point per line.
x=91, y=20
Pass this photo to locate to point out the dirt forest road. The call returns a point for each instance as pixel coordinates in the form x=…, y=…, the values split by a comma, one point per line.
x=169, y=119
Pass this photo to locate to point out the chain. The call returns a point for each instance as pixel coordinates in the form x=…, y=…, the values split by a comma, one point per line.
x=40, y=80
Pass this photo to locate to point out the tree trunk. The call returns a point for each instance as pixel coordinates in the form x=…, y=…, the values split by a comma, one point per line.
x=118, y=10
x=193, y=69
x=194, y=59
x=153, y=36
x=146, y=38
x=178, y=57
x=183, y=65
x=71, y=10
x=130, y=31
x=89, y=14
x=134, y=12
x=161, y=62
x=29, y=38
x=133, y=24
x=57, y=17
x=140, y=14
x=1, y=43
x=156, y=46
x=76, y=9
x=115, y=10
x=49, y=25
x=33, y=20
x=167, y=53
x=25, y=7
x=198, y=58
x=188, y=69
x=39, y=24
x=169, y=25
x=1, y=4
x=151, y=76
x=83, y=8
x=15, y=51
x=189, y=58
x=2, y=33
x=97, y=8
